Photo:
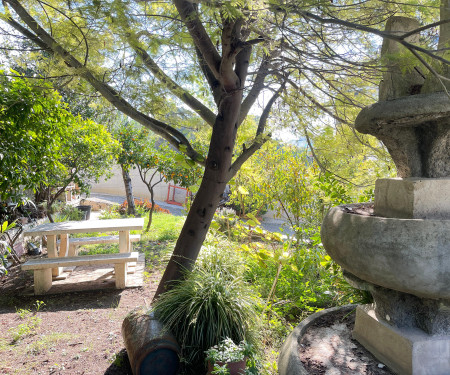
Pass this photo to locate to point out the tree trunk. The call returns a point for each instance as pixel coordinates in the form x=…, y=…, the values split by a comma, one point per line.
x=131, y=210
x=209, y=194
x=152, y=208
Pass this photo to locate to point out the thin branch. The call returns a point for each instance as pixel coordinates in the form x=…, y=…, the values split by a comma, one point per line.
x=431, y=69
x=213, y=82
x=27, y=33
x=321, y=166
x=374, y=31
x=86, y=55
x=426, y=27
x=257, y=87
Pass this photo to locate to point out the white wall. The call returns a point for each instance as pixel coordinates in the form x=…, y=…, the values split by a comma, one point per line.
x=115, y=186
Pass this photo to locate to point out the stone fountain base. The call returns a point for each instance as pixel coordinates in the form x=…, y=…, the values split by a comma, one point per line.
x=406, y=350
x=323, y=344
x=400, y=255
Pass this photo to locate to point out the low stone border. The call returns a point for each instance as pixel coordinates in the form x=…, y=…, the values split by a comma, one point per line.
x=289, y=362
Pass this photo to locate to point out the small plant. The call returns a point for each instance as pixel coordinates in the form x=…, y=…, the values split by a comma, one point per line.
x=31, y=324
x=230, y=358
x=225, y=219
x=228, y=351
x=63, y=212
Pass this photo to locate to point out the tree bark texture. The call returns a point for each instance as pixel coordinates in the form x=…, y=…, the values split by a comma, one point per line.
x=209, y=194
x=131, y=210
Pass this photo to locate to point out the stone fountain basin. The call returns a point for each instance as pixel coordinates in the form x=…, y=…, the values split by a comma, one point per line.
x=408, y=255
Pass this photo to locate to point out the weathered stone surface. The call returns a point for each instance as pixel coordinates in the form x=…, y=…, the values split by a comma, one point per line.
x=289, y=362
x=396, y=81
x=406, y=310
x=413, y=198
x=407, y=255
x=415, y=130
x=408, y=351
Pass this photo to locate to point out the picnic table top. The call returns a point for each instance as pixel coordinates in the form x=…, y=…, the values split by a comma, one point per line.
x=86, y=226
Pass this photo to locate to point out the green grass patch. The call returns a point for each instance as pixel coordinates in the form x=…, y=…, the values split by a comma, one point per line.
x=165, y=227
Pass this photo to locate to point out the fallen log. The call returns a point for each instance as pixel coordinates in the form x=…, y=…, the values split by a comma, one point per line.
x=151, y=348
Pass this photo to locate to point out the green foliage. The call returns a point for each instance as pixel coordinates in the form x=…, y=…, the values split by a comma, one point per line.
x=66, y=212
x=33, y=122
x=149, y=155
x=5, y=248
x=212, y=303
x=45, y=147
x=88, y=155
x=225, y=220
x=294, y=277
x=227, y=351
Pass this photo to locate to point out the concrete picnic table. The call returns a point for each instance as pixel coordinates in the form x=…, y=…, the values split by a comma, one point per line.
x=64, y=229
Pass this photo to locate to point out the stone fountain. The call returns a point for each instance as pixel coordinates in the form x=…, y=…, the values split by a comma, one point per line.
x=401, y=252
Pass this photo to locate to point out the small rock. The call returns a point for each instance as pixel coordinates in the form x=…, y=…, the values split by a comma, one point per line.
x=380, y=365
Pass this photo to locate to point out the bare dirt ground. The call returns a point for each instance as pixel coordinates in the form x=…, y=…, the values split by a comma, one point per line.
x=327, y=348
x=72, y=333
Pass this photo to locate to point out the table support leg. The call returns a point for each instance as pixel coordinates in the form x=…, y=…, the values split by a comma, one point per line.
x=52, y=253
x=124, y=241
x=63, y=245
x=121, y=275
x=42, y=280
x=124, y=244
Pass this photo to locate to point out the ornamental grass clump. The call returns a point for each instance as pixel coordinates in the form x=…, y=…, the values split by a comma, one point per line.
x=208, y=306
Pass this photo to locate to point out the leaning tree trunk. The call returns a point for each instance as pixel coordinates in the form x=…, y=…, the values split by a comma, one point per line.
x=131, y=210
x=209, y=194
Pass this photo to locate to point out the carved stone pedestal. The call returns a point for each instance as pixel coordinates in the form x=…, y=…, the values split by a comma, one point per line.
x=406, y=350
x=404, y=262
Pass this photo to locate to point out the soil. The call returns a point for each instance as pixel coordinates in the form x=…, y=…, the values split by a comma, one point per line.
x=77, y=332
x=364, y=209
x=327, y=348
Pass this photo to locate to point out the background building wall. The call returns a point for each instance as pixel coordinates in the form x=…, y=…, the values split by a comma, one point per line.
x=115, y=186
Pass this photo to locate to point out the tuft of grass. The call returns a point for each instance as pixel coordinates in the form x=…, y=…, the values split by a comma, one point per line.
x=31, y=324
x=25, y=329
x=45, y=342
x=212, y=303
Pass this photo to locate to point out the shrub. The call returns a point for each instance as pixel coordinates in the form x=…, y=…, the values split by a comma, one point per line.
x=145, y=204
x=211, y=304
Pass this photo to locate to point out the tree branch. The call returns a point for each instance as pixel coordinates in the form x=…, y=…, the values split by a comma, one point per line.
x=371, y=30
x=259, y=139
x=321, y=166
x=201, y=39
x=172, y=135
x=213, y=82
x=25, y=32
x=204, y=112
x=256, y=89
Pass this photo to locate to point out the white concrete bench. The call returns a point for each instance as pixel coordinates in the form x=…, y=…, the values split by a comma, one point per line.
x=43, y=267
x=75, y=242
